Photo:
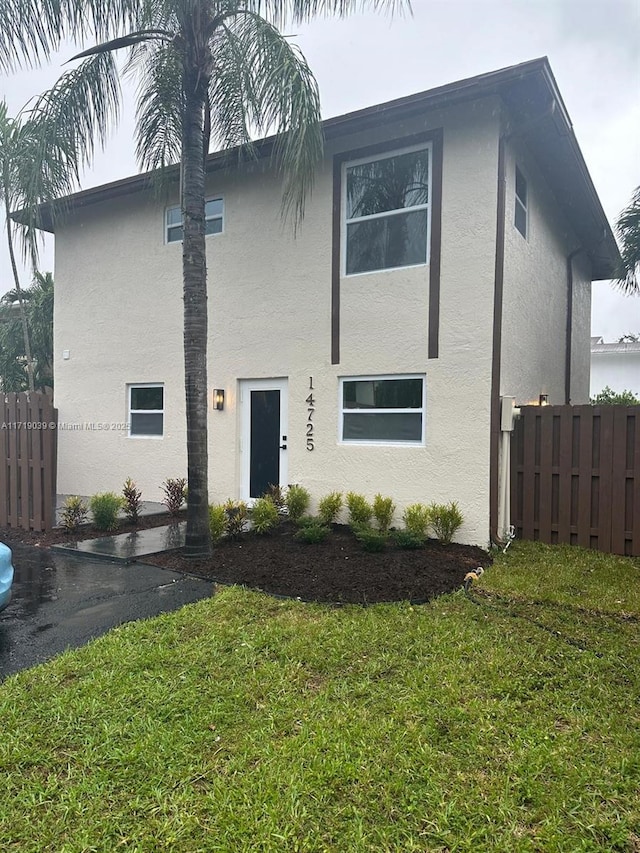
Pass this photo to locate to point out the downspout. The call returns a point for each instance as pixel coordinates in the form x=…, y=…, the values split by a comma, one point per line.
x=569, y=334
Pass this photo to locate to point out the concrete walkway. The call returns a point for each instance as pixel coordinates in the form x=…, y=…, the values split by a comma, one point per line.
x=129, y=547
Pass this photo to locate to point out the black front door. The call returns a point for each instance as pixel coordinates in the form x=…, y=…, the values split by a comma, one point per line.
x=264, y=463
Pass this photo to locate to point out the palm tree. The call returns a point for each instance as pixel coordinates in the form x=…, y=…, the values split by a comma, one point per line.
x=207, y=69
x=38, y=163
x=37, y=306
x=628, y=228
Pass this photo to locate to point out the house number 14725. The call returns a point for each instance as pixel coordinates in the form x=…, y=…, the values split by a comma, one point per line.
x=310, y=410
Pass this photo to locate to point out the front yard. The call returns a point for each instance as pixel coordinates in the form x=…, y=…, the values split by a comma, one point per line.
x=508, y=722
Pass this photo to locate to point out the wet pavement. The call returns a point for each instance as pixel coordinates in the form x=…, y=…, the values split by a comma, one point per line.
x=62, y=600
x=128, y=547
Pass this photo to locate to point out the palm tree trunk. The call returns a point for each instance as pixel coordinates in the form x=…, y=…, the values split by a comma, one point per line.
x=16, y=281
x=194, y=268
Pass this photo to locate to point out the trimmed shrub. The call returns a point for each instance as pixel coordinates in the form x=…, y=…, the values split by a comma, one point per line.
x=360, y=510
x=104, y=509
x=175, y=494
x=313, y=533
x=264, y=515
x=329, y=507
x=237, y=513
x=132, y=500
x=308, y=521
x=74, y=513
x=445, y=520
x=297, y=501
x=372, y=540
x=217, y=522
x=407, y=540
x=383, y=509
x=417, y=518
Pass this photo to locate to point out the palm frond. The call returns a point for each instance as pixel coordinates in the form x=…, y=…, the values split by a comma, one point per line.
x=124, y=41
x=280, y=12
x=30, y=30
x=60, y=135
x=160, y=106
x=628, y=230
x=267, y=86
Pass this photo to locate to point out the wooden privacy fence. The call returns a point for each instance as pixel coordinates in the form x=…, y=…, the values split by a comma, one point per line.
x=575, y=476
x=28, y=445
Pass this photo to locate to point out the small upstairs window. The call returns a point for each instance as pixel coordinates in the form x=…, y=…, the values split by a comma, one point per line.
x=213, y=220
x=521, y=209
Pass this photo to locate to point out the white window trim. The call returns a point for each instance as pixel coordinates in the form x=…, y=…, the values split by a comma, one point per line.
x=131, y=411
x=386, y=442
x=220, y=216
x=523, y=204
x=423, y=146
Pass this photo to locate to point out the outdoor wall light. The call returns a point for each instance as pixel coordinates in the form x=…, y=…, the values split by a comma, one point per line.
x=543, y=400
x=218, y=399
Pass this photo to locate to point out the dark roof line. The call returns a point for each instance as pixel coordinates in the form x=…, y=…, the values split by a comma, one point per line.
x=332, y=128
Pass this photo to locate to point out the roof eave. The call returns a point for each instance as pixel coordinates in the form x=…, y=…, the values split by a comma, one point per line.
x=507, y=83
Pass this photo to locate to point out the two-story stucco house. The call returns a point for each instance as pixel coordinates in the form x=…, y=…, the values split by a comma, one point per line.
x=445, y=260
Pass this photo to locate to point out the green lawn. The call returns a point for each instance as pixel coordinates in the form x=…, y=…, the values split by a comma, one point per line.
x=243, y=723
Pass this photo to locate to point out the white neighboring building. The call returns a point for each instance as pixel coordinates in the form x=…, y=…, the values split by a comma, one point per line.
x=616, y=366
x=370, y=352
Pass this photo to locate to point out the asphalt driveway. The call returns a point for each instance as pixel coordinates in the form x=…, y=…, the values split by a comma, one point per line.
x=61, y=601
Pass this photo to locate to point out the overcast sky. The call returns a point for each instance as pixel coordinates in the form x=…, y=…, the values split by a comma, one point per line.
x=367, y=59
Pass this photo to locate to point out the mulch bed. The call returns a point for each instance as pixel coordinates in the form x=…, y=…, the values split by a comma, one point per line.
x=59, y=536
x=336, y=570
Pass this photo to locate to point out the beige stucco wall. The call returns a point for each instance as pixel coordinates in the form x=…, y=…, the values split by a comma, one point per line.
x=535, y=295
x=119, y=313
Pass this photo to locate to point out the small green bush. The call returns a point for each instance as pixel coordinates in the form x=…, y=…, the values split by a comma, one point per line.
x=407, y=540
x=308, y=521
x=360, y=510
x=104, y=509
x=609, y=397
x=217, y=522
x=417, y=518
x=372, y=540
x=329, y=507
x=237, y=513
x=74, y=513
x=132, y=500
x=264, y=515
x=383, y=509
x=175, y=494
x=297, y=501
x=313, y=533
x=445, y=520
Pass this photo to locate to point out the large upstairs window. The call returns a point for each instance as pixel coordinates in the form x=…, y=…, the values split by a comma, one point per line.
x=386, y=201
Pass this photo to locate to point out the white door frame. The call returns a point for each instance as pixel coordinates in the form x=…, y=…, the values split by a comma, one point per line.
x=246, y=386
